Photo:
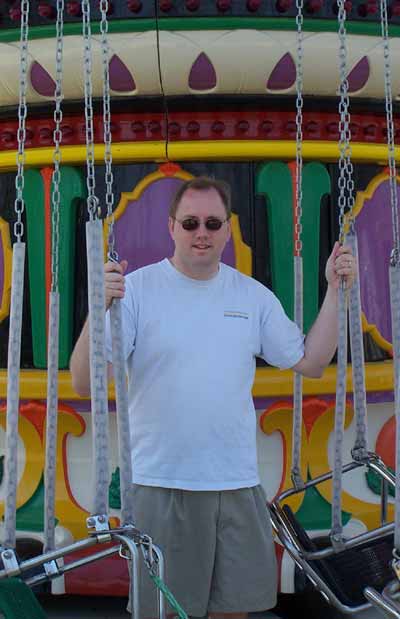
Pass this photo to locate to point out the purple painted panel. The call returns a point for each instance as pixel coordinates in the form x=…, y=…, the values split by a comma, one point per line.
x=358, y=77
x=283, y=75
x=202, y=74
x=121, y=79
x=2, y=265
x=374, y=231
x=41, y=81
x=141, y=233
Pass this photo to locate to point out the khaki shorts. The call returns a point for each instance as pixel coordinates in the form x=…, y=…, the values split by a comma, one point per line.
x=217, y=546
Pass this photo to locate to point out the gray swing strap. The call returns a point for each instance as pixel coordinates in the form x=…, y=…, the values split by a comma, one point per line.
x=394, y=268
x=54, y=306
x=96, y=296
x=118, y=360
x=345, y=186
x=360, y=448
x=394, y=278
x=14, y=358
x=297, y=480
x=51, y=423
x=17, y=294
x=121, y=397
x=340, y=408
x=98, y=367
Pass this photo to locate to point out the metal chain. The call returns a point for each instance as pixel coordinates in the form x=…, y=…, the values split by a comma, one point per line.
x=107, y=129
x=57, y=138
x=92, y=201
x=395, y=258
x=22, y=113
x=345, y=181
x=299, y=128
x=298, y=261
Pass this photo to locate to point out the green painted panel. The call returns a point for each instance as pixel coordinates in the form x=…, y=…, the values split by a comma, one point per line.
x=316, y=183
x=34, y=206
x=274, y=181
x=72, y=186
x=365, y=28
x=315, y=511
x=30, y=516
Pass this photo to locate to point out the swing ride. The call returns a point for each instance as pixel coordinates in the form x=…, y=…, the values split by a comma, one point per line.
x=126, y=100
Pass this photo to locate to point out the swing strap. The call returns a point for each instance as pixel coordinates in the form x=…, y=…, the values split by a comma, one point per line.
x=297, y=480
x=17, y=294
x=394, y=268
x=344, y=190
x=94, y=244
x=121, y=395
x=360, y=448
x=54, y=306
x=394, y=279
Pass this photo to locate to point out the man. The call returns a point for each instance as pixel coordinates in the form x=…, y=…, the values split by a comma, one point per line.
x=193, y=328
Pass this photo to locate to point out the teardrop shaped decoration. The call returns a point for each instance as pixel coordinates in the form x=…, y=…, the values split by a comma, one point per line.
x=41, y=81
x=121, y=79
x=359, y=75
x=283, y=75
x=202, y=74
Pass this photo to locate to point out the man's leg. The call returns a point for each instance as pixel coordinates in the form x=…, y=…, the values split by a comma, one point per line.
x=183, y=524
x=245, y=571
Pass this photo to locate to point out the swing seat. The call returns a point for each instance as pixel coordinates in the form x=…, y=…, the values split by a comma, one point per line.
x=348, y=573
x=17, y=601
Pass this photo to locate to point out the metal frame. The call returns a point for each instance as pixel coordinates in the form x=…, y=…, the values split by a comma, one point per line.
x=304, y=559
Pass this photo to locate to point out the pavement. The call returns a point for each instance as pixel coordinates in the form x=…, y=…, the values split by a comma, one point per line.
x=78, y=607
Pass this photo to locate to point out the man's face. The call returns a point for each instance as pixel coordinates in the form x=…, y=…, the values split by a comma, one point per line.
x=199, y=251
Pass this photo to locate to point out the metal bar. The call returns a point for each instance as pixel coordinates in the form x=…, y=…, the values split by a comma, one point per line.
x=51, y=556
x=379, y=602
x=134, y=573
x=36, y=580
x=281, y=519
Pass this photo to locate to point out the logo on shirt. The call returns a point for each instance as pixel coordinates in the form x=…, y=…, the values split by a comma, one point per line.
x=232, y=314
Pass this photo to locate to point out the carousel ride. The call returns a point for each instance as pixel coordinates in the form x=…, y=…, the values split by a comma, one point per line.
x=89, y=85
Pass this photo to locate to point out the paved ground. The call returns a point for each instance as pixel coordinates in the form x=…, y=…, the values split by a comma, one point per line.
x=77, y=607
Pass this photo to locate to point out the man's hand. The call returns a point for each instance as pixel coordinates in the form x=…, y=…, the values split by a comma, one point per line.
x=340, y=264
x=114, y=280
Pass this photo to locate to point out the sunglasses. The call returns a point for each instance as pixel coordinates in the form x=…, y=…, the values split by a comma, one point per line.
x=193, y=223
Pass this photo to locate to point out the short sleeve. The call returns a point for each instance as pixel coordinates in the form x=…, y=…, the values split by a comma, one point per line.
x=282, y=343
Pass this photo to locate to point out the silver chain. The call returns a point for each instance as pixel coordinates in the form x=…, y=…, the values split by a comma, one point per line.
x=107, y=129
x=92, y=201
x=395, y=258
x=57, y=138
x=299, y=129
x=345, y=181
x=22, y=113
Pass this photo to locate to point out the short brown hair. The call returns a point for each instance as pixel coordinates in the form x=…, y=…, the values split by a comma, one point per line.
x=202, y=183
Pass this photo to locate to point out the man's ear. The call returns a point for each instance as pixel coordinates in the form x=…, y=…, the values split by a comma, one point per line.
x=171, y=223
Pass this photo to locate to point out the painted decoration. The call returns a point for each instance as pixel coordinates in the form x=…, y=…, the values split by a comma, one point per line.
x=375, y=243
x=200, y=61
x=37, y=195
x=5, y=269
x=276, y=181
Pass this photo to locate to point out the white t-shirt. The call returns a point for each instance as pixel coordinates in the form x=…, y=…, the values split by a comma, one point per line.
x=191, y=348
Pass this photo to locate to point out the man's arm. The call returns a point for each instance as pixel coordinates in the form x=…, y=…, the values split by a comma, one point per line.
x=321, y=341
x=114, y=285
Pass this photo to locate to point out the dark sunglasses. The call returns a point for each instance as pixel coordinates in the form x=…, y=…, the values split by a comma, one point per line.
x=192, y=223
